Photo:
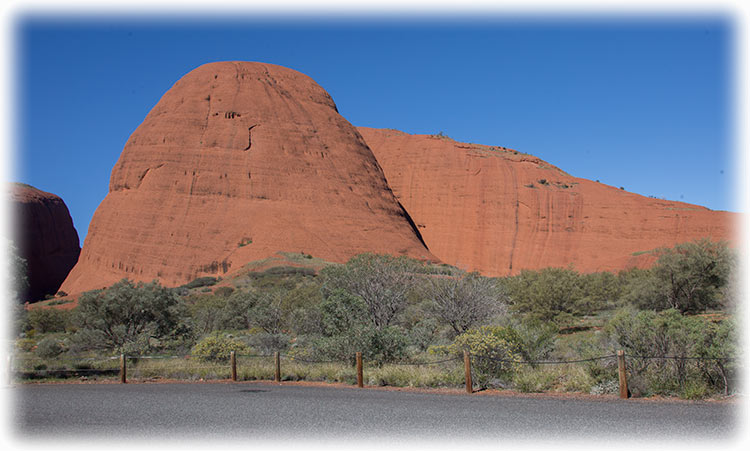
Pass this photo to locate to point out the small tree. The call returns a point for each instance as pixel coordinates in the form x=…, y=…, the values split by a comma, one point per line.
x=691, y=277
x=267, y=312
x=465, y=301
x=127, y=316
x=662, y=345
x=550, y=294
x=382, y=281
x=342, y=313
x=18, y=279
x=44, y=320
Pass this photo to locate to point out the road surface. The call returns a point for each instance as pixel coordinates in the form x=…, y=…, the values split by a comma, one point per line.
x=267, y=411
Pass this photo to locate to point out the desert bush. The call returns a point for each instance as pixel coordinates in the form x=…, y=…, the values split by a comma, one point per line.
x=386, y=345
x=266, y=343
x=342, y=312
x=18, y=279
x=268, y=313
x=464, y=301
x=50, y=347
x=128, y=316
x=44, y=320
x=382, y=282
x=206, y=281
x=649, y=338
x=536, y=339
x=25, y=344
x=223, y=291
x=690, y=277
x=694, y=389
x=422, y=334
x=376, y=345
x=207, y=313
x=289, y=270
x=217, y=347
x=530, y=380
x=550, y=294
x=601, y=290
x=20, y=318
x=494, y=349
x=237, y=312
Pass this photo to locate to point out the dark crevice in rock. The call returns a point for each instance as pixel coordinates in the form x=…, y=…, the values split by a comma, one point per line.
x=250, y=136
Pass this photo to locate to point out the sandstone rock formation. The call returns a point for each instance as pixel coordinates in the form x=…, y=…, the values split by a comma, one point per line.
x=498, y=211
x=45, y=237
x=236, y=162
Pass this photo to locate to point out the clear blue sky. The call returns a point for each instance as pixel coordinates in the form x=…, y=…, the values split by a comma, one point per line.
x=643, y=104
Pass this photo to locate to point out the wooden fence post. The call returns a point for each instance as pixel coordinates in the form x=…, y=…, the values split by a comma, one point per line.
x=277, y=373
x=360, y=380
x=233, y=362
x=467, y=368
x=623, y=376
x=123, y=370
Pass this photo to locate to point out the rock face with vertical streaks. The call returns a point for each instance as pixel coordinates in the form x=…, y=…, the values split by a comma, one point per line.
x=499, y=211
x=45, y=238
x=238, y=161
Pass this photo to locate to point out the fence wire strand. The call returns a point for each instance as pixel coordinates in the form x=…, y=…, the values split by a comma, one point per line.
x=668, y=357
x=543, y=362
x=434, y=362
x=298, y=359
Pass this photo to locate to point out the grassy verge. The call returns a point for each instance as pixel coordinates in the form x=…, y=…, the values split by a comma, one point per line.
x=248, y=368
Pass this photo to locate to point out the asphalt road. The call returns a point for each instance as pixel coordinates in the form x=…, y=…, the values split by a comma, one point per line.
x=272, y=412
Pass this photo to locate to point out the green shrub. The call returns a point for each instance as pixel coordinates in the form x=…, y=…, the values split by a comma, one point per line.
x=59, y=302
x=494, y=350
x=576, y=379
x=423, y=333
x=202, y=282
x=266, y=343
x=44, y=320
x=376, y=345
x=342, y=313
x=536, y=339
x=550, y=294
x=128, y=316
x=690, y=277
x=531, y=380
x=25, y=344
x=289, y=270
x=217, y=348
x=464, y=301
x=694, y=389
x=224, y=291
x=386, y=345
x=383, y=282
x=49, y=347
x=660, y=348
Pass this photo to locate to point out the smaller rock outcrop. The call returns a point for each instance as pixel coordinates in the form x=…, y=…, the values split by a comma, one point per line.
x=45, y=238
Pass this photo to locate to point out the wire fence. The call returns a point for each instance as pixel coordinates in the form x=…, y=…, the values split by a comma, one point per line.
x=269, y=366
